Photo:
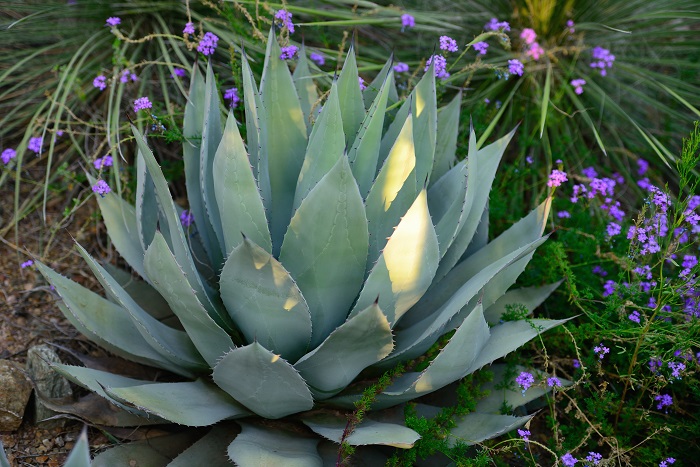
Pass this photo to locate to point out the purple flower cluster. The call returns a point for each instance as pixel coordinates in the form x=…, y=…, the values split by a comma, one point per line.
x=101, y=188
x=448, y=44
x=665, y=400
x=26, y=264
x=481, y=47
x=495, y=25
x=113, y=21
x=556, y=178
x=102, y=162
x=568, y=460
x=601, y=351
x=524, y=434
x=100, y=82
x=361, y=81
x=127, y=75
x=407, y=21
x=634, y=316
x=317, y=58
x=553, y=382
x=186, y=218
x=602, y=59
x=667, y=461
x=142, y=103
x=594, y=457
x=208, y=44
x=655, y=364
x=571, y=25
x=7, y=155
x=179, y=72
x=189, y=29
x=288, y=52
x=525, y=380
x=232, y=95
x=440, y=66
x=35, y=144
x=285, y=18
x=515, y=67
x=578, y=85
x=401, y=67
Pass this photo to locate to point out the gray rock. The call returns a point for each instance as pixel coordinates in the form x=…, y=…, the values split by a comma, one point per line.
x=47, y=382
x=15, y=390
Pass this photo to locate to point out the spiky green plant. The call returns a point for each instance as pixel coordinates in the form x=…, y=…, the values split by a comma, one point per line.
x=323, y=253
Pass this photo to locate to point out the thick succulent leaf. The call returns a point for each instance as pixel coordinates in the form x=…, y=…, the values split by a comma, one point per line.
x=210, y=340
x=393, y=131
x=367, y=432
x=79, y=455
x=479, y=183
x=329, y=229
x=306, y=87
x=192, y=403
x=475, y=427
x=240, y=206
x=3, y=458
x=481, y=236
x=406, y=267
x=146, y=204
x=263, y=382
x=447, y=201
x=252, y=102
x=326, y=146
x=364, y=154
x=424, y=109
x=284, y=140
x=392, y=193
x=350, y=97
x=174, y=345
x=508, y=336
x=269, y=447
x=265, y=302
x=373, y=89
x=358, y=343
x=447, y=132
x=192, y=131
x=211, y=137
x=105, y=323
x=529, y=297
x=151, y=452
x=209, y=450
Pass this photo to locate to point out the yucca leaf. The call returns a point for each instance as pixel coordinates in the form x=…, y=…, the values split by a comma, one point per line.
x=406, y=266
x=270, y=447
x=529, y=297
x=210, y=449
x=447, y=132
x=79, y=455
x=263, y=382
x=306, y=87
x=328, y=229
x=369, y=432
x=284, y=140
x=326, y=146
x=240, y=207
x=358, y=343
x=210, y=340
x=265, y=302
x=151, y=452
x=350, y=97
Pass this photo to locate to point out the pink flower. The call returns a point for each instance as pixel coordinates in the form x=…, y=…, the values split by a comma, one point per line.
x=535, y=51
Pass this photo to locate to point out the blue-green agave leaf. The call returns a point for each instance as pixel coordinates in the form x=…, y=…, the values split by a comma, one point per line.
x=263, y=382
x=210, y=449
x=240, y=207
x=406, y=266
x=254, y=119
x=146, y=205
x=3, y=458
x=151, y=452
x=350, y=97
x=190, y=403
x=424, y=109
x=374, y=88
x=447, y=201
x=306, y=87
x=326, y=146
x=79, y=456
x=447, y=132
x=265, y=302
x=284, y=140
x=361, y=341
x=529, y=297
x=270, y=447
x=328, y=229
x=369, y=432
x=210, y=340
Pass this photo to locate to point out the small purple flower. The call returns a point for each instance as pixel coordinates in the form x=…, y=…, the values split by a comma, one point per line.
x=407, y=21
x=609, y=288
x=578, y=85
x=553, y=382
x=665, y=400
x=524, y=434
x=525, y=380
x=179, y=72
x=667, y=461
x=208, y=44
x=232, y=95
x=495, y=25
x=189, y=28
x=563, y=214
x=26, y=264
x=317, y=58
x=289, y=52
x=601, y=351
x=575, y=363
x=568, y=460
x=440, y=66
x=634, y=316
x=529, y=159
x=570, y=24
x=602, y=59
x=556, y=178
x=600, y=271
x=100, y=82
x=655, y=364
x=643, y=166
x=103, y=162
x=285, y=18
x=113, y=21
x=594, y=457
x=448, y=44
x=142, y=103
x=676, y=369
x=535, y=51
x=35, y=144
x=361, y=81
x=481, y=47
x=613, y=229
x=401, y=67
x=186, y=218
x=515, y=67
x=528, y=35
x=101, y=188
x=7, y=155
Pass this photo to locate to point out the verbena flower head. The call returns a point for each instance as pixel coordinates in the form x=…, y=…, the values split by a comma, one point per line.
x=317, y=58
x=285, y=18
x=142, y=103
x=448, y=44
x=407, y=21
x=634, y=316
x=103, y=162
x=563, y=214
x=186, y=218
x=575, y=363
x=495, y=25
x=401, y=67
x=361, y=81
x=481, y=47
x=602, y=59
x=568, y=460
x=594, y=457
x=7, y=155
x=525, y=380
x=440, y=66
x=578, y=85
x=535, y=51
x=515, y=67
x=26, y=264
x=101, y=188
x=232, y=95
x=100, y=82
x=35, y=144
x=601, y=351
x=556, y=178
x=113, y=21
x=553, y=382
x=676, y=369
x=189, y=28
x=524, y=434
x=208, y=44
x=528, y=36
x=571, y=25
x=179, y=72
x=289, y=52
x=609, y=288
x=666, y=462
x=613, y=229
x=665, y=400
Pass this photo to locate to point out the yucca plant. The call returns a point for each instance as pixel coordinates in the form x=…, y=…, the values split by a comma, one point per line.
x=325, y=250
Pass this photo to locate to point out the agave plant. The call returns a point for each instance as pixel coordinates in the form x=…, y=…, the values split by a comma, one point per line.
x=329, y=247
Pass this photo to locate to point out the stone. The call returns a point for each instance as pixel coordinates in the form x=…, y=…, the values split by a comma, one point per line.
x=48, y=383
x=15, y=390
